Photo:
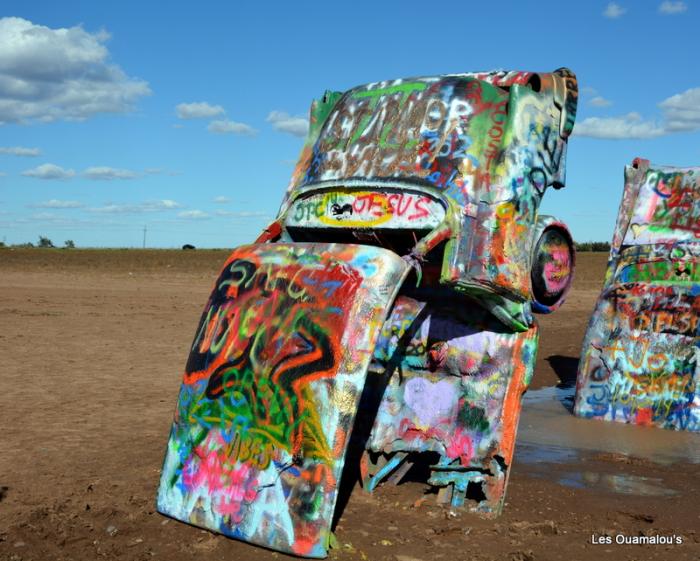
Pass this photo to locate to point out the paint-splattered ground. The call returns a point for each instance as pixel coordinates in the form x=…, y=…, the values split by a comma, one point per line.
x=92, y=346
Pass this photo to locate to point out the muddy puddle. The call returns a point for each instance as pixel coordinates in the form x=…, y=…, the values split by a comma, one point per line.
x=623, y=484
x=552, y=443
x=549, y=432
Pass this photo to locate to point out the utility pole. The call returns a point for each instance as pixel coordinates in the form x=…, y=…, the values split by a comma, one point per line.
x=144, y=237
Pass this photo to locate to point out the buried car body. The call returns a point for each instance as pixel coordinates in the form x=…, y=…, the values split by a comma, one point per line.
x=640, y=361
x=385, y=316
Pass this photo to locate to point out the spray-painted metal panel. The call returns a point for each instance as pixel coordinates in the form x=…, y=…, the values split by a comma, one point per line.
x=372, y=208
x=666, y=208
x=270, y=391
x=455, y=388
x=640, y=361
x=486, y=144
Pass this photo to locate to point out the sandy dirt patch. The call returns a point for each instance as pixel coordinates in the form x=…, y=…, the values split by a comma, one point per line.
x=92, y=347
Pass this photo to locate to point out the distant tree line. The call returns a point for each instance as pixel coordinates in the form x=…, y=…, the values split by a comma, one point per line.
x=592, y=246
x=44, y=243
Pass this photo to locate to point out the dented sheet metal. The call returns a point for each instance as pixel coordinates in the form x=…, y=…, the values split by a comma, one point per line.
x=270, y=391
x=487, y=145
x=455, y=386
x=640, y=361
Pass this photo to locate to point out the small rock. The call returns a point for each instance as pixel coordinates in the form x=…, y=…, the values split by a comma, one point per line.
x=19, y=544
x=111, y=530
x=165, y=522
x=386, y=542
x=546, y=527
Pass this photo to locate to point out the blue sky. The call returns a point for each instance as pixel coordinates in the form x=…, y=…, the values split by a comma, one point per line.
x=187, y=117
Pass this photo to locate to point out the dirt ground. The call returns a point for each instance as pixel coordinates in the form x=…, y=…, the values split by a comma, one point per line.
x=92, y=347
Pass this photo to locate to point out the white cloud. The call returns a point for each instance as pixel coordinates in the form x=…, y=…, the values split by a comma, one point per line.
x=230, y=127
x=104, y=173
x=44, y=216
x=166, y=204
x=48, y=74
x=55, y=203
x=20, y=150
x=627, y=126
x=600, y=101
x=198, y=110
x=148, y=206
x=614, y=11
x=158, y=171
x=62, y=221
x=243, y=214
x=284, y=122
x=681, y=113
x=672, y=8
x=49, y=171
x=193, y=214
x=117, y=209
x=222, y=200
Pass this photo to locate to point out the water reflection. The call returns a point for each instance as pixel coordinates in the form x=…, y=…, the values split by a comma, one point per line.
x=548, y=430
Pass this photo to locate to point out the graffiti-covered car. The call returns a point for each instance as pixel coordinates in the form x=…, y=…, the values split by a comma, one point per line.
x=640, y=361
x=385, y=316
